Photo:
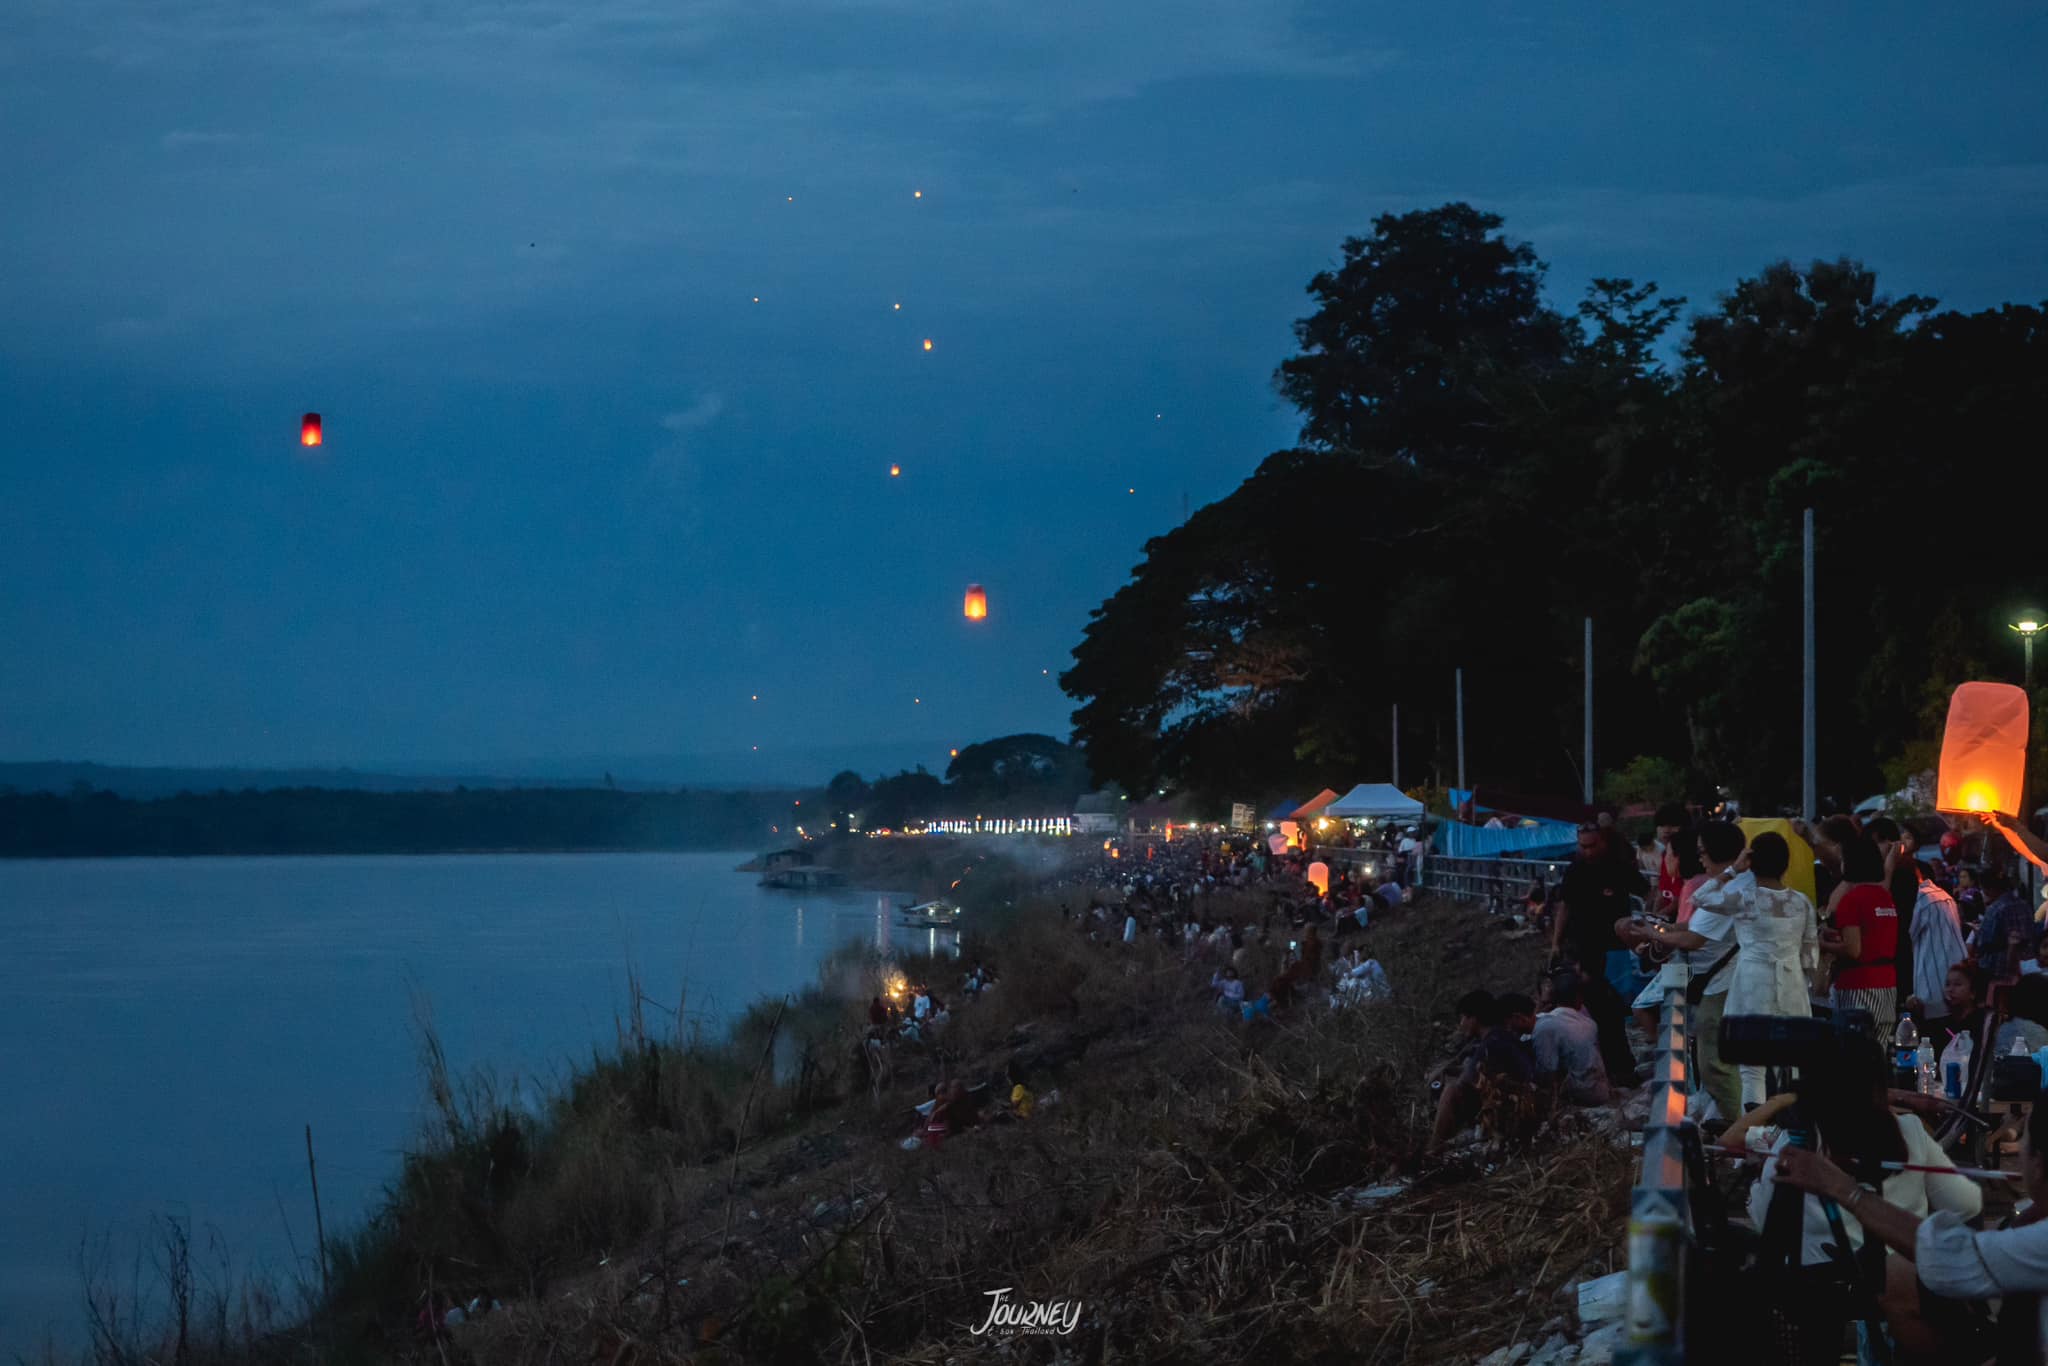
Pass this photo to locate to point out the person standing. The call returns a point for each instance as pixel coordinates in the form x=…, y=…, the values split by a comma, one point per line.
x=2007, y=934
x=1676, y=849
x=1863, y=938
x=1897, y=846
x=1708, y=939
x=1777, y=939
x=1595, y=893
x=1937, y=938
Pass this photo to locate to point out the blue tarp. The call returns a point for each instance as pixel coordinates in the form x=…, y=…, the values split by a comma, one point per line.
x=1472, y=841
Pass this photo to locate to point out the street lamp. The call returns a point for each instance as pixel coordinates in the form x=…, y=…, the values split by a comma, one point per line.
x=2029, y=626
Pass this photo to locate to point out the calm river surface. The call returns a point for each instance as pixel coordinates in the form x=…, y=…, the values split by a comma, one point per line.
x=169, y=1026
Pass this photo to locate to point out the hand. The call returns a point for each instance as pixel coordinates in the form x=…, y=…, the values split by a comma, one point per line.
x=1915, y=1006
x=1741, y=864
x=1913, y=1103
x=1807, y=1170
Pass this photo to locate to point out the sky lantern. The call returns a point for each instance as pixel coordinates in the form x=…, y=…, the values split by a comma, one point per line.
x=927, y=343
x=1984, y=750
x=976, y=606
x=1319, y=877
x=1290, y=831
x=895, y=471
x=309, y=430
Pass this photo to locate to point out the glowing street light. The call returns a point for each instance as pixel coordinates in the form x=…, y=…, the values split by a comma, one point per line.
x=2029, y=626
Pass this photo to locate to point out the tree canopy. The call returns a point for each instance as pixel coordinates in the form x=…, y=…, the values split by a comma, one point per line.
x=1477, y=472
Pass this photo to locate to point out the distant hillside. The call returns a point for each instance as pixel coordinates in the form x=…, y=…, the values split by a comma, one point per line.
x=63, y=776
x=335, y=821
x=781, y=769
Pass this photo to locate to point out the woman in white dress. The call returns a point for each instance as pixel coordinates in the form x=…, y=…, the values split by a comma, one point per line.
x=1776, y=934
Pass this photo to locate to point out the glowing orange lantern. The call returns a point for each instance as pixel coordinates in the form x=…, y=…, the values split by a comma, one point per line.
x=895, y=470
x=1984, y=750
x=927, y=343
x=1319, y=877
x=976, y=608
x=309, y=430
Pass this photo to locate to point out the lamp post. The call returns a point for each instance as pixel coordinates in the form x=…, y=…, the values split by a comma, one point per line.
x=2029, y=626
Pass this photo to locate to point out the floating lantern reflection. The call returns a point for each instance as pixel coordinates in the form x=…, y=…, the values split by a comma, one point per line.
x=976, y=606
x=1984, y=750
x=309, y=430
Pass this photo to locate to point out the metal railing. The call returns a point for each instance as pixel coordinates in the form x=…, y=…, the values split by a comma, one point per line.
x=1498, y=882
x=1660, y=1207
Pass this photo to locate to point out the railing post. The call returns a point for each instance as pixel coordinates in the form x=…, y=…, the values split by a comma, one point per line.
x=1660, y=1211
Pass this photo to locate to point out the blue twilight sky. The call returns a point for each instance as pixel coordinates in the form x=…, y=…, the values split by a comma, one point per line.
x=582, y=495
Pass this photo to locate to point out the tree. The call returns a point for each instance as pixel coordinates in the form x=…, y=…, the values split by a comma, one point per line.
x=1477, y=473
x=1250, y=645
x=845, y=796
x=1018, y=775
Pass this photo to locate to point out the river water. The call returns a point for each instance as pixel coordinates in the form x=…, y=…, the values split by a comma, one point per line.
x=168, y=1027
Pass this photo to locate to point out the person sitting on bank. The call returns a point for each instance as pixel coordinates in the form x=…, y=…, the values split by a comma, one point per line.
x=1566, y=1043
x=1022, y=1099
x=1228, y=986
x=1495, y=1052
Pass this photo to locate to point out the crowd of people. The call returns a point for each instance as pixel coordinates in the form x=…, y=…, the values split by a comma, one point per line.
x=1936, y=931
x=1865, y=1157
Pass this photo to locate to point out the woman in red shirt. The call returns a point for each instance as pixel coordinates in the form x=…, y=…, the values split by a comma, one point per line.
x=1863, y=936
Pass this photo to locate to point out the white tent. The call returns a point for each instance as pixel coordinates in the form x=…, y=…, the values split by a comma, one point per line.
x=1374, y=799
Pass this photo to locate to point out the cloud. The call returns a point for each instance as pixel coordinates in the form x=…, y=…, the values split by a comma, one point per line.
x=696, y=417
x=675, y=474
x=178, y=139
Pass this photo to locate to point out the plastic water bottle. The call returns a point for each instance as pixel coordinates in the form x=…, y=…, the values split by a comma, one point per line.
x=1929, y=1073
x=1906, y=1054
x=1958, y=1069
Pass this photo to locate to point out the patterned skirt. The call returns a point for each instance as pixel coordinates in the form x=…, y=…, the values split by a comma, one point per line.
x=1881, y=1002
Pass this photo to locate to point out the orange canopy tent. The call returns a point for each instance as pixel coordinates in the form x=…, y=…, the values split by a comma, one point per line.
x=1314, y=805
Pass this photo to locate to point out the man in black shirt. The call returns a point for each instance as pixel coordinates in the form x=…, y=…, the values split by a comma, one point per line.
x=1595, y=893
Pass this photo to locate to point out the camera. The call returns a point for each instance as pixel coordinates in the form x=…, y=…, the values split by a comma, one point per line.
x=1795, y=1040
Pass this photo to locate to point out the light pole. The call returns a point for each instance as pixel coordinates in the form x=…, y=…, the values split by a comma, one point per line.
x=2029, y=626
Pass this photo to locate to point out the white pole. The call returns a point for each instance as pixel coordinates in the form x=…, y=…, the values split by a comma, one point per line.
x=1809, y=789
x=1397, y=744
x=1458, y=684
x=1589, y=712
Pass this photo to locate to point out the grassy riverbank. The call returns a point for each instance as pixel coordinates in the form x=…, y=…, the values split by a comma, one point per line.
x=1196, y=1187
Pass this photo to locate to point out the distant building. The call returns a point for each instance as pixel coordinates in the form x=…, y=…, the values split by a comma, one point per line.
x=1098, y=813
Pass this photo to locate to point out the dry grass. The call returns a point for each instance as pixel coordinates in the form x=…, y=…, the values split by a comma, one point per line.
x=1189, y=1189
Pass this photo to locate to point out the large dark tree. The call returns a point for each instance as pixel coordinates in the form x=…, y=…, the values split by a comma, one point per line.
x=1478, y=473
x=1449, y=421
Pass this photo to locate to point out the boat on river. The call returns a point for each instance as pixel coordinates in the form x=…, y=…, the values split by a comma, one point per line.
x=943, y=915
x=797, y=870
